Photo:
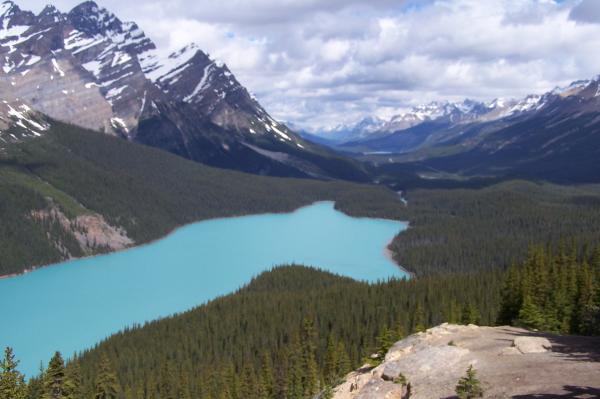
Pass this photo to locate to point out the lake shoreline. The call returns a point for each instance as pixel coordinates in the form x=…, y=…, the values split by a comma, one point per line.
x=388, y=253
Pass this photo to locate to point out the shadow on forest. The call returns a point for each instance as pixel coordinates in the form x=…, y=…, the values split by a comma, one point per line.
x=571, y=392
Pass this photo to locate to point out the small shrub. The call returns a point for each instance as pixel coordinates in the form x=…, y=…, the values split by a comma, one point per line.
x=469, y=386
x=401, y=379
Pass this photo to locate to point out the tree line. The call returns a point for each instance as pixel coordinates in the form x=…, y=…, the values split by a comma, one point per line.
x=57, y=381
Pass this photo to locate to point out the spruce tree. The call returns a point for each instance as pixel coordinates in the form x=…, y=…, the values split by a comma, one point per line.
x=12, y=382
x=294, y=369
x=419, y=319
x=55, y=379
x=73, y=382
x=469, y=314
x=344, y=363
x=469, y=386
x=385, y=340
x=309, y=348
x=167, y=387
x=267, y=382
x=35, y=387
x=106, y=386
x=530, y=315
x=331, y=366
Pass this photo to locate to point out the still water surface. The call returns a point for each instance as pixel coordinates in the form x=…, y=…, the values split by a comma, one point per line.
x=73, y=305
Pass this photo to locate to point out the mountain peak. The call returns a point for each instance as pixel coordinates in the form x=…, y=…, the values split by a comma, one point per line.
x=49, y=15
x=89, y=6
x=49, y=9
x=7, y=5
x=88, y=17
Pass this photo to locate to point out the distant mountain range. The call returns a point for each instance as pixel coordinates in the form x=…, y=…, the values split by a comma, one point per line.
x=88, y=68
x=554, y=136
x=440, y=112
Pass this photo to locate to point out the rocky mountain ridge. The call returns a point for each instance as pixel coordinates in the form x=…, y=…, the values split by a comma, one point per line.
x=89, y=68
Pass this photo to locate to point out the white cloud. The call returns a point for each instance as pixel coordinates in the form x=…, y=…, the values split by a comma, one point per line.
x=319, y=63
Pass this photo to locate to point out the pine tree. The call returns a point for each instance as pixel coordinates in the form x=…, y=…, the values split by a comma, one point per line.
x=309, y=348
x=469, y=314
x=344, y=363
x=12, y=382
x=385, y=340
x=167, y=387
x=73, y=382
x=469, y=386
x=419, y=319
x=331, y=366
x=530, y=315
x=35, y=387
x=55, y=380
x=267, y=382
x=248, y=387
x=106, y=386
x=511, y=296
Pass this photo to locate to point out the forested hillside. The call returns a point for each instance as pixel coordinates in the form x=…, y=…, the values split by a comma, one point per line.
x=457, y=230
x=289, y=333
x=141, y=190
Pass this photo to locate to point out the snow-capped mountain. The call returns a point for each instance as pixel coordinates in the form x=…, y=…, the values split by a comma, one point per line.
x=555, y=136
x=416, y=126
x=89, y=68
x=363, y=128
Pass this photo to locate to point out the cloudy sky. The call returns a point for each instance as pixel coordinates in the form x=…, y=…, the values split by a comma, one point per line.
x=318, y=63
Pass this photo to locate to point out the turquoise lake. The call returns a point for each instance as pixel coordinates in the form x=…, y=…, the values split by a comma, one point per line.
x=71, y=306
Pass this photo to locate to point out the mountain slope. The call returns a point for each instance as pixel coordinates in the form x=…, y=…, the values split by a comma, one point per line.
x=88, y=68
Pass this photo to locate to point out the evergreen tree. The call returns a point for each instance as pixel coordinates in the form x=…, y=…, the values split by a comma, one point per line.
x=106, y=386
x=35, y=387
x=385, y=340
x=167, y=389
x=469, y=314
x=295, y=369
x=73, y=382
x=311, y=372
x=419, y=319
x=267, y=383
x=331, y=366
x=469, y=387
x=344, y=363
x=530, y=315
x=248, y=387
x=55, y=380
x=12, y=382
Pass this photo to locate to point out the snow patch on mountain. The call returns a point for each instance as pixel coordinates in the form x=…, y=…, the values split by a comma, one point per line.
x=163, y=68
x=202, y=85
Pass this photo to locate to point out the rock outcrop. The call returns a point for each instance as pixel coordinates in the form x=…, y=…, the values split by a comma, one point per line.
x=510, y=362
x=91, y=231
